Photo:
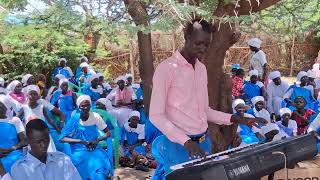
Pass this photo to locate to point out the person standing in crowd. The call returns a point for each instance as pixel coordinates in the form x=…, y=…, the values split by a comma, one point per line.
x=82, y=133
x=237, y=84
x=258, y=60
x=287, y=126
x=276, y=91
x=63, y=69
x=40, y=164
x=12, y=138
x=179, y=105
x=253, y=87
x=64, y=99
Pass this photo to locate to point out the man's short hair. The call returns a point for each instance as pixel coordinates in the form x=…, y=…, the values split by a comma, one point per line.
x=206, y=26
x=35, y=124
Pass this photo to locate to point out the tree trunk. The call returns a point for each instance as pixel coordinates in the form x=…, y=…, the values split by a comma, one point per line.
x=139, y=14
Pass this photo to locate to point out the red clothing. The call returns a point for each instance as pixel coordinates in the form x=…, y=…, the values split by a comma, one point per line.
x=237, y=86
x=302, y=127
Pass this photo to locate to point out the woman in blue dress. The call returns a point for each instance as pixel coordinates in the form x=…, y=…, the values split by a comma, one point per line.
x=83, y=133
x=12, y=137
x=253, y=87
x=64, y=99
x=83, y=59
x=93, y=89
x=63, y=69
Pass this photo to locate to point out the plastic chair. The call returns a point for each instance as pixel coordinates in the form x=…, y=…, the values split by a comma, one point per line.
x=106, y=116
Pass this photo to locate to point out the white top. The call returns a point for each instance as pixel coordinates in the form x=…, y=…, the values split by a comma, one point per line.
x=291, y=124
x=262, y=114
x=139, y=130
x=36, y=112
x=257, y=61
x=94, y=119
x=274, y=91
x=16, y=122
x=57, y=167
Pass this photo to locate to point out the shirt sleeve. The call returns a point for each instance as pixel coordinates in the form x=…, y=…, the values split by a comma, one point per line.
x=161, y=83
x=99, y=122
x=218, y=117
x=262, y=58
x=48, y=105
x=18, y=124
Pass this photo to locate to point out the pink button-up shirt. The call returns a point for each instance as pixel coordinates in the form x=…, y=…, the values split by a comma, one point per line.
x=179, y=103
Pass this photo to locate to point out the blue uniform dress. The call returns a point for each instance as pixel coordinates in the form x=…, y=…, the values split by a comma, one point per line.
x=95, y=95
x=65, y=103
x=61, y=70
x=168, y=153
x=9, y=138
x=300, y=91
x=96, y=164
x=250, y=91
x=132, y=136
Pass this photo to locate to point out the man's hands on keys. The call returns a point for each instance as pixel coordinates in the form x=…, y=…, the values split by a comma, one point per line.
x=194, y=149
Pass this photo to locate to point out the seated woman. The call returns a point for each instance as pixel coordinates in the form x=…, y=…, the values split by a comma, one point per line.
x=12, y=138
x=41, y=81
x=134, y=145
x=287, y=126
x=63, y=69
x=253, y=87
x=54, y=87
x=301, y=88
x=121, y=98
x=258, y=109
x=82, y=133
x=64, y=99
x=105, y=85
x=37, y=108
x=85, y=74
x=248, y=134
x=93, y=89
x=15, y=92
x=302, y=115
x=85, y=60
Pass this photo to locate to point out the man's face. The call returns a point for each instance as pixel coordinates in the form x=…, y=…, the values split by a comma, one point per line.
x=129, y=80
x=254, y=49
x=304, y=80
x=197, y=43
x=31, y=81
x=240, y=109
x=33, y=96
x=259, y=105
x=39, y=142
x=62, y=63
x=18, y=88
x=277, y=81
x=64, y=87
x=286, y=117
x=121, y=84
x=134, y=121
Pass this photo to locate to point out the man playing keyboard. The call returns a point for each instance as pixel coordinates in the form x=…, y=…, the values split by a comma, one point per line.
x=179, y=103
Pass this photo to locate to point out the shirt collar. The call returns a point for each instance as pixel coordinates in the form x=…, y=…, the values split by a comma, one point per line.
x=37, y=162
x=181, y=60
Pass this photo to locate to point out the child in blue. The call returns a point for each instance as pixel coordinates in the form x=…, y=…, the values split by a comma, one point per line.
x=253, y=87
x=64, y=99
x=134, y=145
x=82, y=132
x=12, y=138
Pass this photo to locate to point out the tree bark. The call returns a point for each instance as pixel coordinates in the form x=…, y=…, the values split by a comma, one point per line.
x=139, y=14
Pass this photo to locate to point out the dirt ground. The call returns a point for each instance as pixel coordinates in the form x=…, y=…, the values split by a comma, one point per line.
x=132, y=174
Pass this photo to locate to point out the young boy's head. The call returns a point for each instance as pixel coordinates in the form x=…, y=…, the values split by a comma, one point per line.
x=38, y=137
x=240, y=73
x=258, y=103
x=285, y=114
x=300, y=102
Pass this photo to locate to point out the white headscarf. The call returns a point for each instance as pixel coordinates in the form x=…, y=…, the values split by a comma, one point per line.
x=274, y=74
x=300, y=75
x=1, y=81
x=120, y=78
x=25, y=79
x=93, y=76
x=63, y=59
x=253, y=72
x=63, y=80
x=82, y=98
x=84, y=64
x=33, y=88
x=12, y=85
x=311, y=74
x=85, y=58
x=255, y=42
x=236, y=102
x=106, y=102
x=284, y=111
x=5, y=101
x=257, y=99
x=135, y=113
x=60, y=76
